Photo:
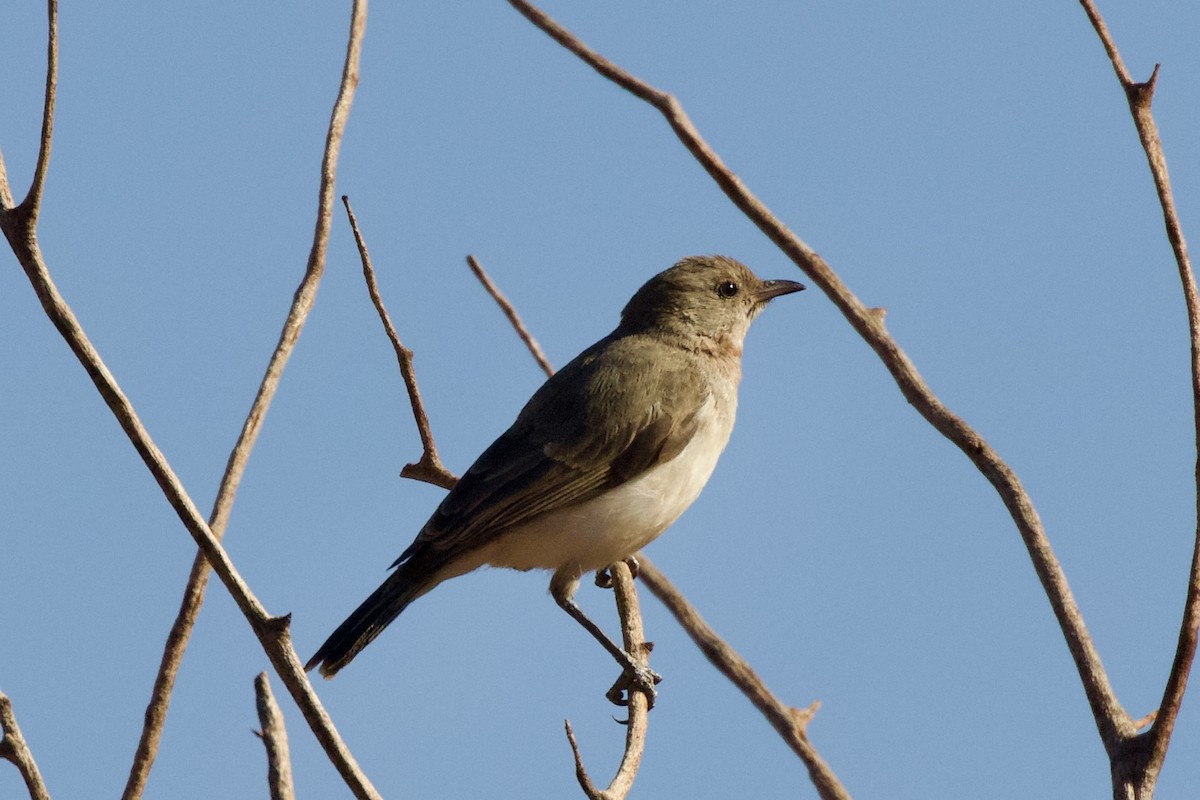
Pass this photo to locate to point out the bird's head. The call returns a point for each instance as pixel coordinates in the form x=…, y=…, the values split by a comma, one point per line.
x=714, y=297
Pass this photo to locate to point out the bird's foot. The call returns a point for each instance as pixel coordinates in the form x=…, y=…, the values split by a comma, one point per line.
x=635, y=678
x=604, y=578
x=635, y=567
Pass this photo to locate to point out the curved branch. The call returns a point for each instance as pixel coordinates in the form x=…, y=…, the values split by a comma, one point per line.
x=1140, y=97
x=14, y=749
x=1111, y=719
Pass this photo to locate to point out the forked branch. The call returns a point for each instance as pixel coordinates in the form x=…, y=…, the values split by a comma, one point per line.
x=1152, y=747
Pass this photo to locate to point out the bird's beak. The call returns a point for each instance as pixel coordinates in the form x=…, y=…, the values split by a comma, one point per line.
x=769, y=290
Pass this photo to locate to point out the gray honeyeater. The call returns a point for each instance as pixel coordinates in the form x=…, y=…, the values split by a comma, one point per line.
x=600, y=461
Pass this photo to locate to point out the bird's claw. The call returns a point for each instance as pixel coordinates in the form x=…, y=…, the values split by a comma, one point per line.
x=635, y=679
x=634, y=565
x=604, y=578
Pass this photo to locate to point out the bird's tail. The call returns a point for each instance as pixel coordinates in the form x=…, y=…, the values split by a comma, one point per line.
x=368, y=621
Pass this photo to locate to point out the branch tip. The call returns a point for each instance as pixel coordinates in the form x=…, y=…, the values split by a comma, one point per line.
x=510, y=312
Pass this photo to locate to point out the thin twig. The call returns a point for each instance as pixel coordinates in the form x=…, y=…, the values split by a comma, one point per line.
x=581, y=774
x=33, y=199
x=791, y=723
x=1140, y=96
x=302, y=303
x=274, y=738
x=19, y=226
x=14, y=749
x=6, y=198
x=514, y=319
x=429, y=467
x=1111, y=719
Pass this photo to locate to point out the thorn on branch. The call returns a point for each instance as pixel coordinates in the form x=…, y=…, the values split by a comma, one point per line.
x=802, y=716
x=1141, y=95
x=1146, y=721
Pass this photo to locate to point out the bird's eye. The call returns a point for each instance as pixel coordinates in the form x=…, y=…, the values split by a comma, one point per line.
x=727, y=289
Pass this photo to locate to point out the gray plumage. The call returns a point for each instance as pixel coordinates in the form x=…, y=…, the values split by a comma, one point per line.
x=603, y=457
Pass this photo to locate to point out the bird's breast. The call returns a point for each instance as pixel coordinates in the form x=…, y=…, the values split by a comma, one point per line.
x=626, y=518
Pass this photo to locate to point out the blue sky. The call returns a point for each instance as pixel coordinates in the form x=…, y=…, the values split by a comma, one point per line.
x=971, y=168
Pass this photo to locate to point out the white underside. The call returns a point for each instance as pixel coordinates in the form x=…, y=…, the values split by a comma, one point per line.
x=615, y=525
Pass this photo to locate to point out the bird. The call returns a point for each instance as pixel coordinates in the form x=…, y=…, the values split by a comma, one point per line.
x=603, y=458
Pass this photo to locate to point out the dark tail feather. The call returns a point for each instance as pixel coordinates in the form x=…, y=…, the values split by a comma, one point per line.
x=367, y=621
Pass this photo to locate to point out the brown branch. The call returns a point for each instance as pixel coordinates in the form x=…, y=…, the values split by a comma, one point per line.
x=274, y=738
x=302, y=303
x=1140, y=96
x=33, y=199
x=14, y=749
x=6, y=197
x=1111, y=719
x=514, y=319
x=271, y=631
x=19, y=227
x=791, y=723
x=633, y=637
x=429, y=467
x=32, y=203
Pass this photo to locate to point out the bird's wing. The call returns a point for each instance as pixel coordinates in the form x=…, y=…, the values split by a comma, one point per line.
x=564, y=449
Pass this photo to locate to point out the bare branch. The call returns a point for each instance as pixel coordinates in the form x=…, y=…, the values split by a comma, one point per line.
x=274, y=738
x=271, y=631
x=429, y=467
x=1111, y=719
x=514, y=319
x=1140, y=96
x=6, y=198
x=31, y=206
x=19, y=228
x=33, y=200
x=302, y=302
x=791, y=723
x=633, y=637
x=585, y=781
x=14, y=749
